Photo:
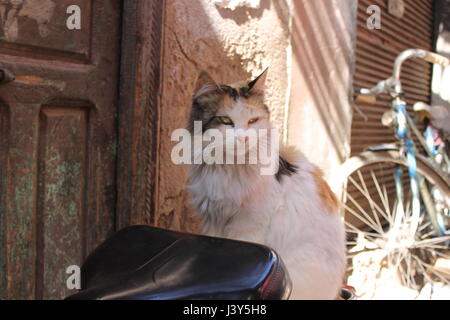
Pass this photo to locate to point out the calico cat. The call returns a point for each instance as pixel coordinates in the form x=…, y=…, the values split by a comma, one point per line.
x=292, y=210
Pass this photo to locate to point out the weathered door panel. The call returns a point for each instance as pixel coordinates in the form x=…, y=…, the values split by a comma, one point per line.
x=57, y=140
x=39, y=28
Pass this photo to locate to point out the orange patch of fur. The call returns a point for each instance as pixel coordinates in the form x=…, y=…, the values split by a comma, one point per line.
x=326, y=194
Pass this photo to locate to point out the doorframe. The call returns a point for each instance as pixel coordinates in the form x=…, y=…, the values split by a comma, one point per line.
x=138, y=112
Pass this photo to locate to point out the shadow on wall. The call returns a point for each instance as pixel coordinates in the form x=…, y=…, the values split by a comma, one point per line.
x=322, y=47
x=242, y=15
x=191, y=44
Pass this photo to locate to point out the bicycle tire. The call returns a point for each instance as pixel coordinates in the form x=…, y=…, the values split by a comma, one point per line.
x=424, y=167
x=359, y=163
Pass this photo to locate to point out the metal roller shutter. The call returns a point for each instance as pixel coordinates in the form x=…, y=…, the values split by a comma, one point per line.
x=375, y=53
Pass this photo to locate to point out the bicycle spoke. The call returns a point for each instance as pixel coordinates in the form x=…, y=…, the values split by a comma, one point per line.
x=428, y=234
x=384, y=201
x=367, y=220
x=424, y=272
x=437, y=253
x=371, y=206
x=410, y=271
x=398, y=266
x=436, y=247
x=367, y=196
x=433, y=241
x=365, y=193
x=423, y=226
x=351, y=255
x=434, y=271
x=356, y=230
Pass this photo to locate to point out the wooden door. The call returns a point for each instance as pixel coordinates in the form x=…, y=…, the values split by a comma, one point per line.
x=57, y=140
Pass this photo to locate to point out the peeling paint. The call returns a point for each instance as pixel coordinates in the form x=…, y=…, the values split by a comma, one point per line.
x=57, y=193
x=35, y=80
x=233, y=4
x=8, y=18
x=39, y=10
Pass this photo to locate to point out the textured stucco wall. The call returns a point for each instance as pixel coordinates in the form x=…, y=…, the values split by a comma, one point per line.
x=232, y=45
x=320, y=111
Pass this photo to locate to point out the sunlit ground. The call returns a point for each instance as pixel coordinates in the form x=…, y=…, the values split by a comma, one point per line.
x=374, y=280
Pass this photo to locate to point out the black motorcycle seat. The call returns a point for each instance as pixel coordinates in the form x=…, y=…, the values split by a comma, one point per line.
x=148, y=263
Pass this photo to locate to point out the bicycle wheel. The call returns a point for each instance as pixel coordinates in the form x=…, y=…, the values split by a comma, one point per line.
x=378, y=219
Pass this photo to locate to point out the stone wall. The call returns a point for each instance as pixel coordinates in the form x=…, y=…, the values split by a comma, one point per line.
x=232, y=45
x=237, y=39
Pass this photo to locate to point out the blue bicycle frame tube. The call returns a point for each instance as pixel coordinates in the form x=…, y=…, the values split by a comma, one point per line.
x=402, y=133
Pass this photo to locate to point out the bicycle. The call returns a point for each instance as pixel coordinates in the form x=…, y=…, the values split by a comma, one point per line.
x=404, y=215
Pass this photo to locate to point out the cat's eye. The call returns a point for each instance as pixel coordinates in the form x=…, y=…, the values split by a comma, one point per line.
x=226, y=120
x=254, y=120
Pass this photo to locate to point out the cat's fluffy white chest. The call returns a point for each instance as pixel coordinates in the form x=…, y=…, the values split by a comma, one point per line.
x=227, y=199
x=287, y=215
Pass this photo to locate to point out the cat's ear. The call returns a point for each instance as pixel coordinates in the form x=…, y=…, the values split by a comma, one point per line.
x=205, y=83
x=258, y=85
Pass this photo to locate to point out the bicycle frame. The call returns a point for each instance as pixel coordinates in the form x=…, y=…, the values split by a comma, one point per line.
x=403, y=123
x=408, y=147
